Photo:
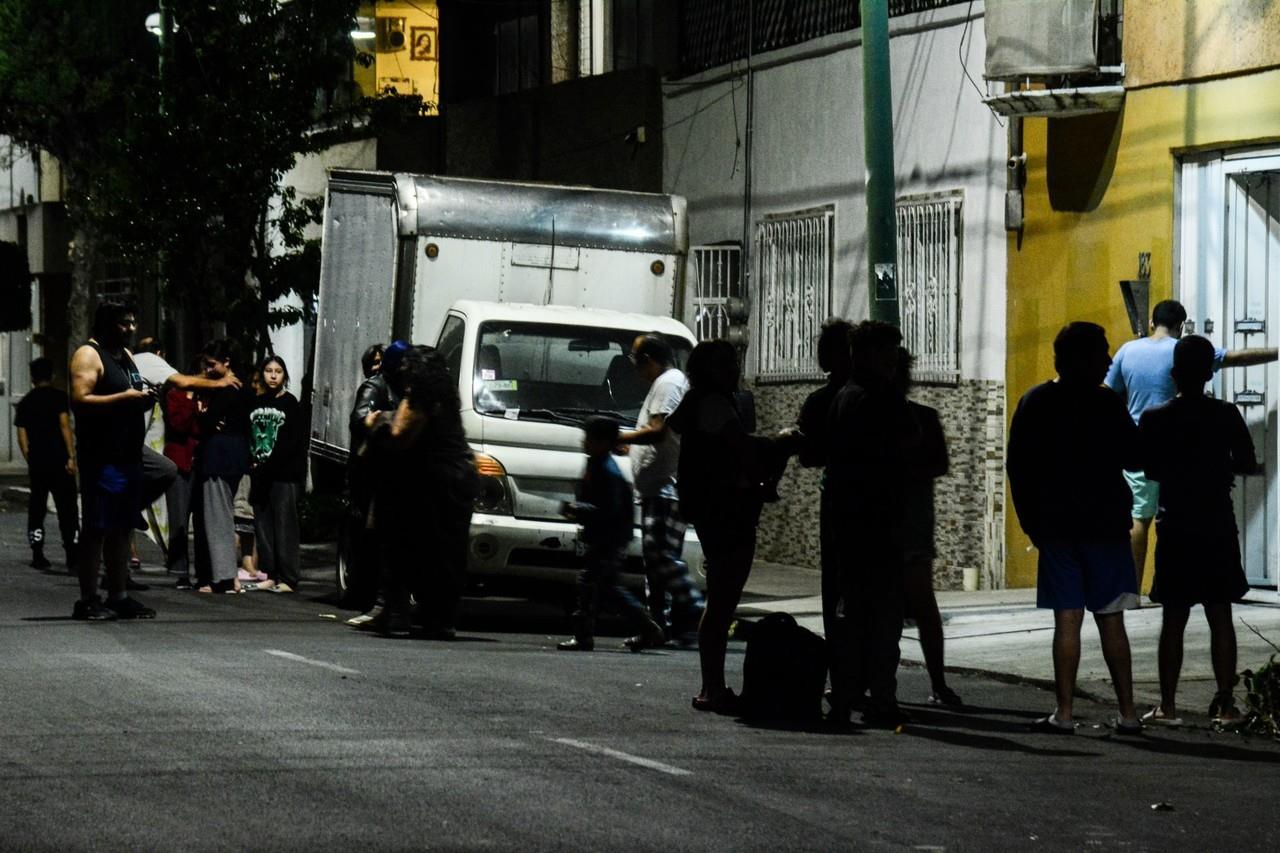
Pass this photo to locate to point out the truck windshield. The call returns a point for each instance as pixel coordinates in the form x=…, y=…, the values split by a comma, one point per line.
x=537, y=371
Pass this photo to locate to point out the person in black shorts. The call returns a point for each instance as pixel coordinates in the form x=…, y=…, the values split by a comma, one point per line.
x=108, y=399
x=1194, y=446
x=43, y=421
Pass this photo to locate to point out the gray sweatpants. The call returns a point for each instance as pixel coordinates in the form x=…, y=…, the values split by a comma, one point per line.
x=275, y=524
x=216, y=529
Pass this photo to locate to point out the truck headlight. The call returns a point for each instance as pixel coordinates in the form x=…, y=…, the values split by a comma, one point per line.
x=494, y=496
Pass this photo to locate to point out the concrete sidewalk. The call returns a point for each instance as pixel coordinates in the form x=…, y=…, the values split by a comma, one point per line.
x=1001, y=633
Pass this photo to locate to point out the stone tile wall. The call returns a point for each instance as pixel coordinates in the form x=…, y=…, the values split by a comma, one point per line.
x=969, y=501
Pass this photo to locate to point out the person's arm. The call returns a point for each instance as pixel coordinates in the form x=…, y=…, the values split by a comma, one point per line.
x=1115, y=376
x=366, y=402
x=1243, y=459
x=933, y=446
x=22, y=444
x=86, y=370
x=64, y=424
x=650, y=433
x=398, y=429
x=184, y=382
x=1019, y=463
x=1250, y=356
x=1127, y=442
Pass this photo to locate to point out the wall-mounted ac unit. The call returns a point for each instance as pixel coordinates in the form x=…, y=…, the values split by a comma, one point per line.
x=391, y=35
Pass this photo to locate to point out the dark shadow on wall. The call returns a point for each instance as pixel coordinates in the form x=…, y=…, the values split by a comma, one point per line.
x=1081, y=159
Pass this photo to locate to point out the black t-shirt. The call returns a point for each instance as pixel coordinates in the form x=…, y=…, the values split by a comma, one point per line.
x=813, y=421
x=111, y=435
x=1194, y=447
x=224, y=427
x=1068, y=450
x=39, y=413
x=277, y=446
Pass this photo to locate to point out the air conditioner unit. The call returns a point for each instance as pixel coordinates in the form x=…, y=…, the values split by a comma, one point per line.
x=390, y=35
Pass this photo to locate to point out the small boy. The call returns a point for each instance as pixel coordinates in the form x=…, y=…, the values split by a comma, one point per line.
x=605, y=509
x=1194, y=446
x=43, y=420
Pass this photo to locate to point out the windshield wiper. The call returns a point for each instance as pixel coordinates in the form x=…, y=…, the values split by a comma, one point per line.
x=545, y=414
x=606, y=412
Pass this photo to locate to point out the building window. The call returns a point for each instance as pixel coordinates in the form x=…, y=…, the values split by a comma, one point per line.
x=632, y=23
x=592, y=26
x=519, y=54
x=794, y=256
x=718, y=282
x=929, y=264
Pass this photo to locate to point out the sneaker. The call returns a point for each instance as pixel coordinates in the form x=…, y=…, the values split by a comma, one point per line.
x=39, y=561
x=130, y=608
x=366, y=621
x=281, y=587
x=91, y=611
x=575, y=644
x=184, y=582
x=944, y=697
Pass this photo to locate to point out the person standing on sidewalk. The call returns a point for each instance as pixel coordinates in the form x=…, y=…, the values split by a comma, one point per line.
x=605, y=510
x=43, y=422
x=278, y=456
x=1141, y=375
x=655, y=456
x=1194, y=447
x=1070, y=442
x=180, y=440
x=108, y=399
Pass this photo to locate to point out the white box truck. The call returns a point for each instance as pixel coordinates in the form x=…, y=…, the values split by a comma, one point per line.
x=534, y=294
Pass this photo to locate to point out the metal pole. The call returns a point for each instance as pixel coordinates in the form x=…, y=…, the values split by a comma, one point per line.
x=165, y=25
x=877, y=132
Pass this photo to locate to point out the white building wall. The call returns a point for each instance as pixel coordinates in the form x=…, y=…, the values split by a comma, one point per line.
x=807, y=151
x=308, y=177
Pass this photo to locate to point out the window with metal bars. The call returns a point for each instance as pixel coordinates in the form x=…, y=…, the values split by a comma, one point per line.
x=718, y=279
x=930, y=229
x=794, y=253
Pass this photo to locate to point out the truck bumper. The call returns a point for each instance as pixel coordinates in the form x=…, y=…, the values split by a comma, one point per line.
x=503, y=548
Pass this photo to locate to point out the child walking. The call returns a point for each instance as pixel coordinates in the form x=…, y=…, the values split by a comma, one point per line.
x=279, y=468
x=1194, y=446
x=605, y=509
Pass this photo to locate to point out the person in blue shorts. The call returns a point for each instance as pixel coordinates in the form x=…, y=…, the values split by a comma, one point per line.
x=1070, y=443
x=1194, y=447
x=1140, y=374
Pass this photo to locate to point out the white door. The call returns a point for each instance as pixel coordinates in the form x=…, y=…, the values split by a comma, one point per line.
x=1229, y=280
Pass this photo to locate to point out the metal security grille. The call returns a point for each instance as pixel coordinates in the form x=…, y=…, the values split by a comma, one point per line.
x=794, y=255
x=929, y=263
x=719, y=272
x=714, y=32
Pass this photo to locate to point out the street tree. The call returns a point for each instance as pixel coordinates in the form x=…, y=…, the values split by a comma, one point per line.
x=174, y=173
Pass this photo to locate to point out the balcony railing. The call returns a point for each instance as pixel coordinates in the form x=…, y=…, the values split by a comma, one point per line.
x=714, y=32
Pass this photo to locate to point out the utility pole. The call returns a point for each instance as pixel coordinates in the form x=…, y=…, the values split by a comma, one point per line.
x=877, y=133
x=163, y=36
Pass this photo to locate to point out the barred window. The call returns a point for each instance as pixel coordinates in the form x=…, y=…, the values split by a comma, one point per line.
x=718, y=272
x=929, y=265
x=794, y=253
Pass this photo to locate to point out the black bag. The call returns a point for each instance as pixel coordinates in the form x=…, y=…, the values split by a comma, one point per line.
x=784, y=673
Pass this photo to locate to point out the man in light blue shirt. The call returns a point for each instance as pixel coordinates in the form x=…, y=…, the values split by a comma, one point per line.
x=1140, y=372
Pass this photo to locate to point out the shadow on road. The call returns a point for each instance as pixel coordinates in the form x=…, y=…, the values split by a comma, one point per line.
x=995, y=744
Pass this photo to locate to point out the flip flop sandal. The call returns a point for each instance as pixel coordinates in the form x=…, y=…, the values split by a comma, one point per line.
x=1047, y=726
x=1156, y=717
x=1120, y=727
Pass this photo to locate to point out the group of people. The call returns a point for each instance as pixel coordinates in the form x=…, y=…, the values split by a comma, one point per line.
x=216, y=432
x=1093, y=456
x=1091, y=462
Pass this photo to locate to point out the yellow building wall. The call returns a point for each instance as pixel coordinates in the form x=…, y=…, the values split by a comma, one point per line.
x=411, y=70
x=1067, y=265
x=1170, y=41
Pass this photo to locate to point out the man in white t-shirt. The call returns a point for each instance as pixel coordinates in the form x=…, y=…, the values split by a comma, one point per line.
x=655, y=454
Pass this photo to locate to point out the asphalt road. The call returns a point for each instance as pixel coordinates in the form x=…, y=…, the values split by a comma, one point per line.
x=260, y=722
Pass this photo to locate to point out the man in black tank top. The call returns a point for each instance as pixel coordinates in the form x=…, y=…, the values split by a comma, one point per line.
x=108, y=401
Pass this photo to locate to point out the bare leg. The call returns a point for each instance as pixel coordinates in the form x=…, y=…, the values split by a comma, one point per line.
x=1115, y=650
x=1222, y=645
x=1138, y=541
x=1066, y=658
x=923, y=607
x=724, y=590
x=1172, y=627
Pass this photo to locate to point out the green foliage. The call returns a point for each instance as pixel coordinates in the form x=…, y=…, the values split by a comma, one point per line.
x=180, y=167
x=1262, y=694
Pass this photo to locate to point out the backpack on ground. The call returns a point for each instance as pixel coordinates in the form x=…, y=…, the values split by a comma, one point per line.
x=785, y=671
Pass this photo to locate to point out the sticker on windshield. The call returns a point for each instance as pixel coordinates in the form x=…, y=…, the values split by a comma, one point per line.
x=512, y=414
x=502, y=385
x=488, y=375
